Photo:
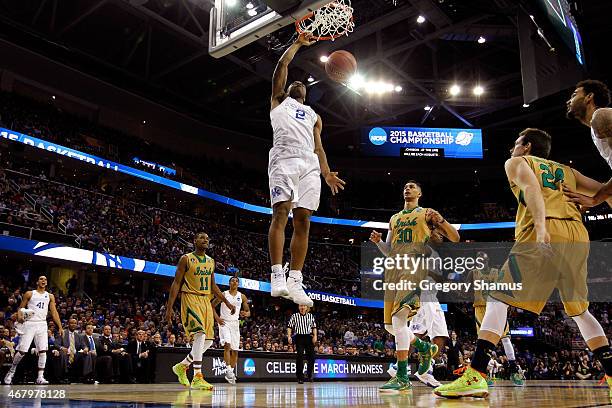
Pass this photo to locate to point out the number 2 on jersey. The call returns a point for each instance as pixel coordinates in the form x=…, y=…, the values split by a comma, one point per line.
x=550, y=180
x=300, y=114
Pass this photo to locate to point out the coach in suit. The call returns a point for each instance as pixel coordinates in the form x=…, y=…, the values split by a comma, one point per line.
x=141, y=354
x=72, y=346
x=104, y=359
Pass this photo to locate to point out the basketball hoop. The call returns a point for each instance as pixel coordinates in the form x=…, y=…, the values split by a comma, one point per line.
x=331, y=21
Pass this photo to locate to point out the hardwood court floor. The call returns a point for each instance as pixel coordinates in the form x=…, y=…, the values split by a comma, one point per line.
x=558, y=394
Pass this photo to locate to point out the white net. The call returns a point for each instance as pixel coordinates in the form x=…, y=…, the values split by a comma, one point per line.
x=331, y=21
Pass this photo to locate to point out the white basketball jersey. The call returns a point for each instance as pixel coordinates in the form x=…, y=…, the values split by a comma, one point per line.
x=39, y=303
x=604, y=146
x=293, y=124
x=226, y=313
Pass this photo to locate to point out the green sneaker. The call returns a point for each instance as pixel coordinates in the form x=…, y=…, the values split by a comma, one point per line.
x=470, y=384
x=395, y=385
x=199, y=383
x=181, y=373
x=490, y=381
x=609, y=380
x=517, y=379
x=425, y=358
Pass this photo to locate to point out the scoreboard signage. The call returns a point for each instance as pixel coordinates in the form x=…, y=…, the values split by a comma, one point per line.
x=422, y=142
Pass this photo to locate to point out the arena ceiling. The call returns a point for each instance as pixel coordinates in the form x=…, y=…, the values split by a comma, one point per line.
x=159, y=48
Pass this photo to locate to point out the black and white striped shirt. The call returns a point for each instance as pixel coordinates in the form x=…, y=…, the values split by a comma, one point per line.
x=302, y=324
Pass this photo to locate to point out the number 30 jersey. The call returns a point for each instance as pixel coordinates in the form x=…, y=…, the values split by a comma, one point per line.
x=39, y=303
x=293, y=124
x=409, y=227
x=551, y=175
x=198, y=278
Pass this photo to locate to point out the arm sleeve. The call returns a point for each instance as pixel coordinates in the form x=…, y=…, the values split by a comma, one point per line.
x=385, y=247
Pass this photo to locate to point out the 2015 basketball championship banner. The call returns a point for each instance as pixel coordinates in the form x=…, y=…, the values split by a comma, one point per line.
x=525, y=275
x=422, y=142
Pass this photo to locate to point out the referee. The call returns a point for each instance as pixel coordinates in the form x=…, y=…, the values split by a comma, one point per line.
x=303, y=323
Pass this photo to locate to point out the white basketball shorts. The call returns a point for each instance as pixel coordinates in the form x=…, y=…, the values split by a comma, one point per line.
x=294, y=175
x=36, y=331
x=229, y=333
x=429, y=319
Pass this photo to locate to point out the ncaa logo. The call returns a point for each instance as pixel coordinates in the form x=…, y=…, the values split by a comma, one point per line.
x=378, y=136
x=249, y=367
x=464, y=138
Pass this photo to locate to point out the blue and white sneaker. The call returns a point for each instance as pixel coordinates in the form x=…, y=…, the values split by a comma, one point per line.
x=428, y=379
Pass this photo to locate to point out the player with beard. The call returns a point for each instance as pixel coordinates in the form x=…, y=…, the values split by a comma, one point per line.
x=588, y=105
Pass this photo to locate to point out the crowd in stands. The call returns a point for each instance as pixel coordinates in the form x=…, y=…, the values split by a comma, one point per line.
x=48, y=122
x=116, y=315
x=115, y=225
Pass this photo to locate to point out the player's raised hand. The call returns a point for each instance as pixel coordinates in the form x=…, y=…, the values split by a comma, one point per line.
x=375, y=236
x=334, y=182
x=434, y=217
x=306, y=39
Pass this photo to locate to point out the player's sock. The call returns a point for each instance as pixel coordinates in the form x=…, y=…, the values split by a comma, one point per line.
x=42, y=361
x=197, y=368
x=187, y=360
x=509, y=350
x=16, y=359
x=402, y=370
x=604, y=354
x=482, y=355
x=420, y=345
x=278, y=268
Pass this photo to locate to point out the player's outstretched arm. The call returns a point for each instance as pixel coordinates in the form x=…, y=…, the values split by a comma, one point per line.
x=279, y=78
x=442, y=226
x=589, y=192
x=55, y=315
x=179, y=275
x=519, y=172
x=331, y=177
x=24, y=302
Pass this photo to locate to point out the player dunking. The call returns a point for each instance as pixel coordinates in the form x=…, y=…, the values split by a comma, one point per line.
x=493, y=275
x=296, y=162
x=588, y=105
x=195, y=280
x=543, y=217
x=409, y=230
x=229, y=326
x=38, y=303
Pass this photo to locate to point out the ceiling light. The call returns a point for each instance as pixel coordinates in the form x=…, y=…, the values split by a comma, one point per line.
x=310, y=78
x=478, y=90
x=398, y=89
x=144, y=122
x=249, y=5
x=324, y=58
x=427, y=108
x=481, y=40
x=420, y=19
x=252, y=12
x=357, y=82
x=53, y=97
x=455, y=90
x=525, y=105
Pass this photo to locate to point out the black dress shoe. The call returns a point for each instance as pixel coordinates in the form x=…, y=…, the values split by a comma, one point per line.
x=300, y=381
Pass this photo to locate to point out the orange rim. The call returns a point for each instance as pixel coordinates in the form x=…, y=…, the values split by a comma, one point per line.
x=325, y=38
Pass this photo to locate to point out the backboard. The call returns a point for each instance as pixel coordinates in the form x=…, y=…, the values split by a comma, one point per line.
x=236, y=23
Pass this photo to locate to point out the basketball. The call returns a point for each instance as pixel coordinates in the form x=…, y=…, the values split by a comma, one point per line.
x=340, y=66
